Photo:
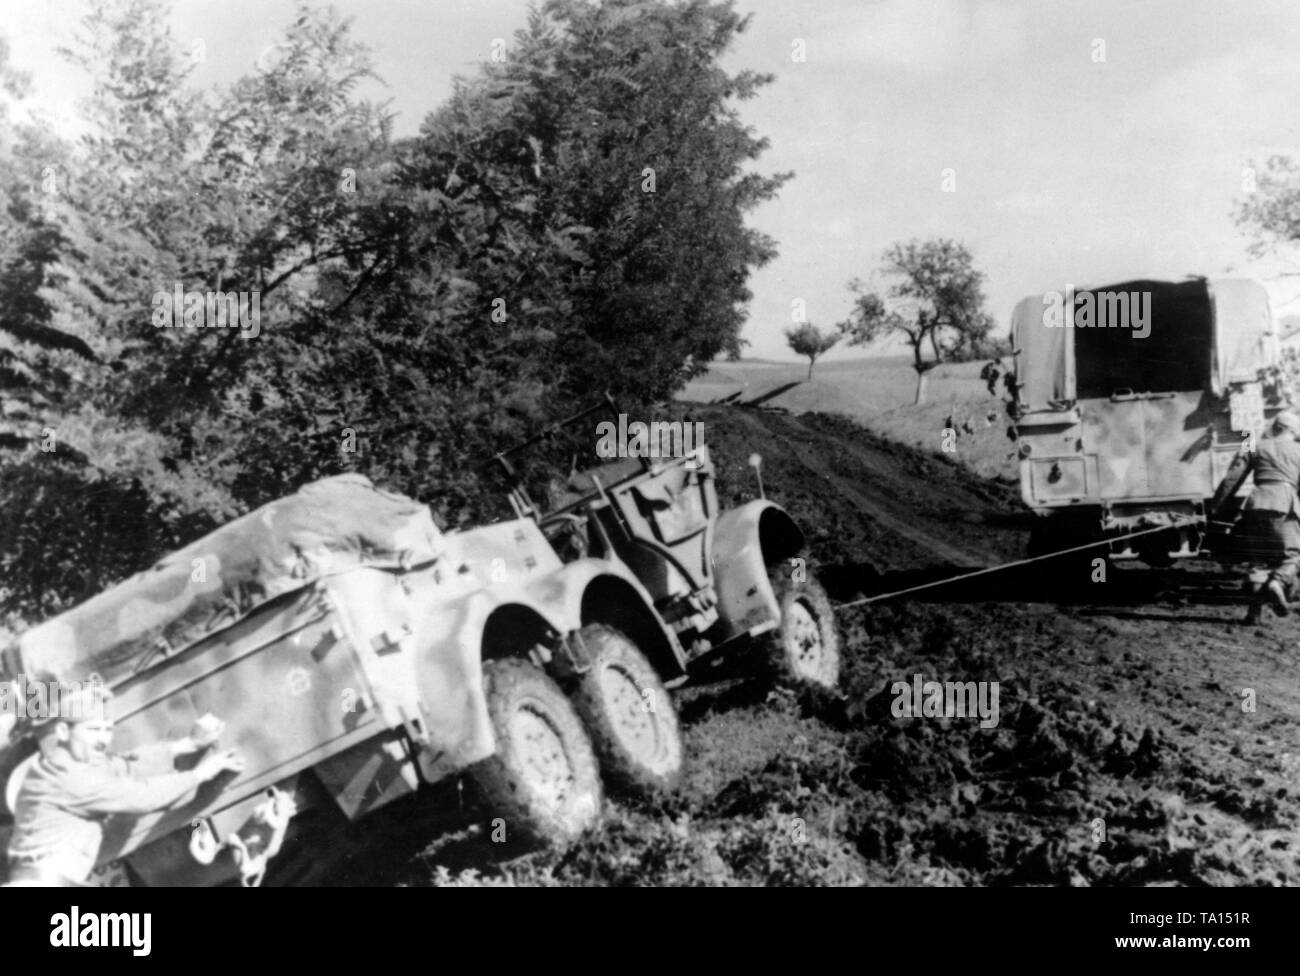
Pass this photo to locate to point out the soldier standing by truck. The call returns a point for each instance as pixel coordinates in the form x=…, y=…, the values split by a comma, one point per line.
x=990, y=373
x=74, y=784
x=1272, y=513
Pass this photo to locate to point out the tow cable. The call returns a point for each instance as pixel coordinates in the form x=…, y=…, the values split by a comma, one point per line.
x=1011, y=565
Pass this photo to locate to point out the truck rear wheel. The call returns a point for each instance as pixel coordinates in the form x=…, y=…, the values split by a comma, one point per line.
x=630, y=716
x=542, y=785
x=805, y=647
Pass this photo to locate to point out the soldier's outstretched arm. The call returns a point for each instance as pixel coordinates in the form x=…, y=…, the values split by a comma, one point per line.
x=160, y=757
x=108, y=792
x=103, y=791
x=155, y=759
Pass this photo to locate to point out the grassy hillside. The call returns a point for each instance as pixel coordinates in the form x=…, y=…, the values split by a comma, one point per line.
x=878, y=393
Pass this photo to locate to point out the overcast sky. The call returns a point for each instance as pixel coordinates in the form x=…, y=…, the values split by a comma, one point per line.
x=1068, y=168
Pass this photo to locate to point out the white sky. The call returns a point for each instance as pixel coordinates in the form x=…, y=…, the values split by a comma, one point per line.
x=1068, y=170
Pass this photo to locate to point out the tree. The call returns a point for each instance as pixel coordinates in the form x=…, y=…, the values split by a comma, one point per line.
x=936, y=301
x=34, y=355
x=808, y=340
x=1271, y=213
x=571, y=220
x=605, y=175
x=238, y=191
x=986, y=347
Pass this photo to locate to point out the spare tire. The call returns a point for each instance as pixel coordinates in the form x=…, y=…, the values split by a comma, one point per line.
x=805, y=647
x=542, y=785
x=630, y=716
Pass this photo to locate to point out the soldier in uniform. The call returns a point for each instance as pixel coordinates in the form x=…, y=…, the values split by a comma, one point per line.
x=990, y=373
x=73, y=784
x=1273, y=512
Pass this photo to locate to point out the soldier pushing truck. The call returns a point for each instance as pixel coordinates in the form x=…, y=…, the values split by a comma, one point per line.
x=1272, y=513
x=73, y=784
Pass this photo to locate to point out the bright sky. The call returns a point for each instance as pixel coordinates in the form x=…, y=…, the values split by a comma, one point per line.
x=1090, y=142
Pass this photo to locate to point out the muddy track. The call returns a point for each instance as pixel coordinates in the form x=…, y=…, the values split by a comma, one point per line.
x=872, y=498
x=1143, y=735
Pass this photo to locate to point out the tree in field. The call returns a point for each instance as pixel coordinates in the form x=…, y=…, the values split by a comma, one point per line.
x=808, y=340
x=935, y=301
x=1270, y=214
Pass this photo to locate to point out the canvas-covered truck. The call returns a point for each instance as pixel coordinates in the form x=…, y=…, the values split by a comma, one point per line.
x=1132, y=402
x=732, y=584
x=356, y=653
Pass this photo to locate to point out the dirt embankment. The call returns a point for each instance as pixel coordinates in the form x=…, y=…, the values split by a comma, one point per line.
x=1143, y=736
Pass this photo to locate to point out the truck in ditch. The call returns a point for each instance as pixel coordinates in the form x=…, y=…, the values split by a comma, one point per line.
x=1132, y=402
x=358, y=654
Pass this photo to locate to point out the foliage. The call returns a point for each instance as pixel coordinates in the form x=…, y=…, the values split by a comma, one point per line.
x=936, y=300
x=808, y=340
x=984, y=347
x=572, y=220
x=1271, y=214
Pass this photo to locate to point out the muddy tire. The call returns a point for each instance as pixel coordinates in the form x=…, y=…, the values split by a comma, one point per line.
x=542, y=785
x=804, y=649
x=630, y=716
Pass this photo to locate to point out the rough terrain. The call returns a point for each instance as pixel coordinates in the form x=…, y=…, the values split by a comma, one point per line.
x=1144, y=735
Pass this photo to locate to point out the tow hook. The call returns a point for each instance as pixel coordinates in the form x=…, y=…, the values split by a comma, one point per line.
x=272, y=814
x=270, y=821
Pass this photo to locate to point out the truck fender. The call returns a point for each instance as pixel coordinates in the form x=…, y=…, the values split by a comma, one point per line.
x=746, y=541
x=593, y=590
x=509, y=620
x=448, y=671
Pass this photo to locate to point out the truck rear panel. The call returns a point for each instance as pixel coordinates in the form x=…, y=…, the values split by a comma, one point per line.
x=1135, y=422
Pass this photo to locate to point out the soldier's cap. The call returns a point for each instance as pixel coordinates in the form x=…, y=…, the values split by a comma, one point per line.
x=91, y=701
x=1287, y=420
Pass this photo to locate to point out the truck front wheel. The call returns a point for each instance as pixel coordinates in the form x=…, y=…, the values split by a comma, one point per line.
x=542, y=785
x=805, y=647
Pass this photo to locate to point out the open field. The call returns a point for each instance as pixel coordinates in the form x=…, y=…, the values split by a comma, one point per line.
x=878, y=393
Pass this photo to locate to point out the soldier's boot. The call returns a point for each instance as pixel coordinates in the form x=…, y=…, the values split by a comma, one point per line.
x=1275, y=591
x=1254, y=613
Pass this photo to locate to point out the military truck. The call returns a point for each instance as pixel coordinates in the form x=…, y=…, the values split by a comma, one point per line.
x=1132, y=402
x=732, y=585
x=358, y=653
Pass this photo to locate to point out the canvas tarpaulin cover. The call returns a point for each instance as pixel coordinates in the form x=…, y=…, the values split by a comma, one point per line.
x=1245, y=338
x=1244, y=341
x=1041, y=360
x=327, y=527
